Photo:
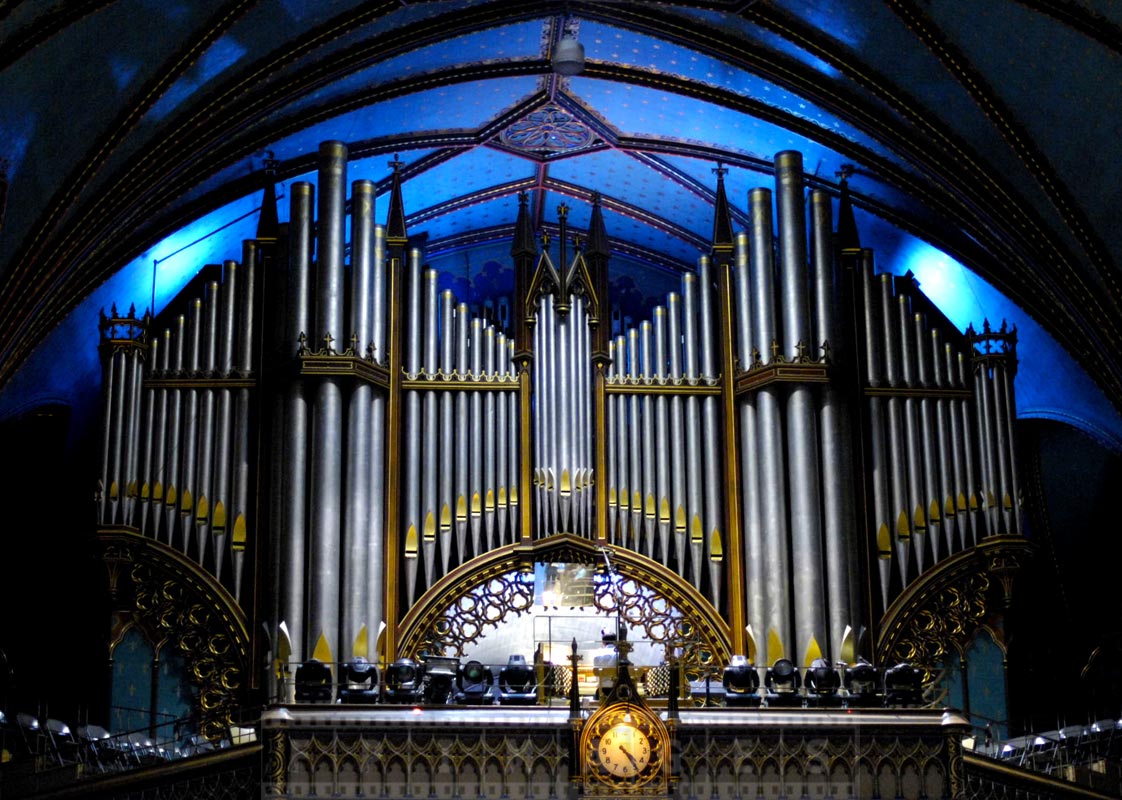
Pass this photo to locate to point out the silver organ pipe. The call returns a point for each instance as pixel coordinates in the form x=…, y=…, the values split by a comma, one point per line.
x=802, y=433
x=634, y=447
x=884, y=518
x=650, y=515
x=773, y=480
x=187, y=471
x=897, y=445
x=462, y=482
x=152, y=493
x=356, y=510
x=622, y=448
x=411, y=431
x=662, y=434
x=223, y=432
x=375, y=568
x=612, y=457
x=488, y=432
x=912, y=442
x=694, y=474
x=240, y=471
x=974, y=503
x=327, y=410
x=677, y=433
x=946, y=447
x=430, y=443
x=295, y=425
x=201, y=512
x=447, y=419
x=747, y=353
x=515, y=490
x=931, y=492
x=712, y=549
x=842, y=582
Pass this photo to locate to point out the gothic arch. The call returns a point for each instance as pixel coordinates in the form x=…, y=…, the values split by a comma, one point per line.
x=479, y=593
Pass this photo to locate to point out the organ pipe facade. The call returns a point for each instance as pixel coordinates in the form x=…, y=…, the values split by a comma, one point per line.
x=792, y=439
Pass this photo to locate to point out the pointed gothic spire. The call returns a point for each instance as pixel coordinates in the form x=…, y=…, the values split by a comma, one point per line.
x=268, y=223
x=722, y=218
x=523, y=244
x=395, y=221
x=597, y=244
x=847, y=236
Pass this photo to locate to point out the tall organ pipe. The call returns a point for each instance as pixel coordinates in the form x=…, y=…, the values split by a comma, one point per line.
x=634, y=446
x=749, y=473
x=912, y=441
x=695, y=509
x=488, y=431
x=837, y=453
x=773, y=479
x=650, y=513
x=462, y=481
x=294, y=535
x=430, y=508
x=883, y=522
x=327, y=466
x=447, y=415
x=205, y=495
x=1008, y=413
x=662, y=433
x=374, y=567
x=514, y=487
x=475, y=432
x=356, y=511
x=411, y=429
x=622, y=447
x=502, y=443
x=972, y=453
x=802, y=427
x=927, y=437
x=946, y=444
x=171, y=497
x=711, y=428
x=225, y=416
x=677, y=431
x=239, y=492
x=160, y=352
x=612, y=456
x=188, y=447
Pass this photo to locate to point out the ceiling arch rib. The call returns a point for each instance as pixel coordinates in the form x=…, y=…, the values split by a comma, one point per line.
x=251, y=106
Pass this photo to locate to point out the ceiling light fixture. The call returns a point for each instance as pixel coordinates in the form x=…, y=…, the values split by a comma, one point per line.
x=568, y=55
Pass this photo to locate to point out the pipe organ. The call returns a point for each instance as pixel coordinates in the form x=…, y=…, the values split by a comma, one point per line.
x=793, y=436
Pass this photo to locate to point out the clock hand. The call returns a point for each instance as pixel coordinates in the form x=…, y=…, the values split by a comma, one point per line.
x=630, y=757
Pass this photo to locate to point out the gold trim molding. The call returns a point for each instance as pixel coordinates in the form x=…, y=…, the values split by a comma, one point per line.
x=948, y=603
x=175, y=599
x=427, y=622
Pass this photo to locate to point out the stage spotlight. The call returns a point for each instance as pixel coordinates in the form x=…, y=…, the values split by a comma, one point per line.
x=903, y=685
x=405, y=682
x=313, y=682
x=741, y=682
x=782, y=682
x=822, y=683
x=440, y=678
x=359, y=682
x=862, y=682
x=517, y=684
x=476, y=684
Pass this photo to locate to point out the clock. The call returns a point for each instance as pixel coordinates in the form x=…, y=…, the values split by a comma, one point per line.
x=625, y=751
x=624, y=747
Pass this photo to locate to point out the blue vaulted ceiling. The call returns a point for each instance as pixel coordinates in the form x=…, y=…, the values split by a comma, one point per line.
x=980, y=138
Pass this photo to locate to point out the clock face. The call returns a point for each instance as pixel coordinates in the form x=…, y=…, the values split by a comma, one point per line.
x=624, y=750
